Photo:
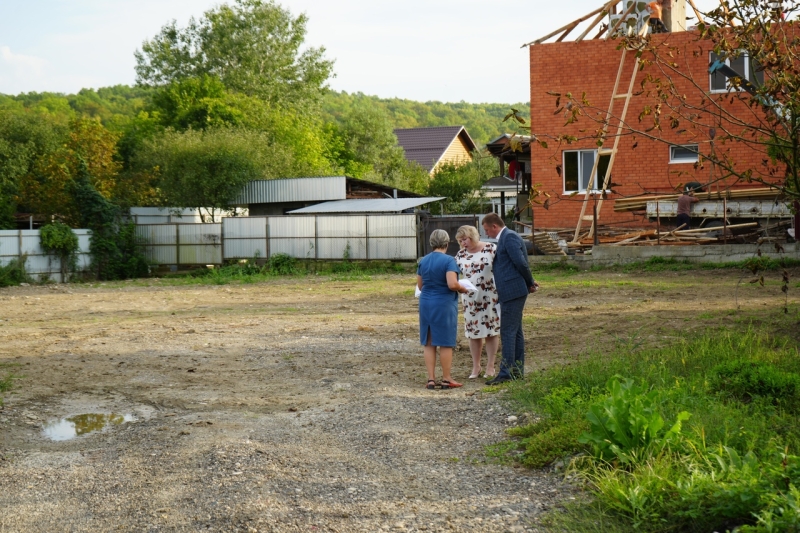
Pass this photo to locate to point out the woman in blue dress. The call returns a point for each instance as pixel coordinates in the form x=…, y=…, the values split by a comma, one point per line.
x=437, y=278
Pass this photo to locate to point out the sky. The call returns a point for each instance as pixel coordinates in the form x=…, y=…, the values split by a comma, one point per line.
x=445, y=50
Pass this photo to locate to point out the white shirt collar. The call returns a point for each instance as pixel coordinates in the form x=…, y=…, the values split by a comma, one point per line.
x=500, y=232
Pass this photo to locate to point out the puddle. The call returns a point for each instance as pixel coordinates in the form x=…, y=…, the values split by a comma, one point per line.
x=74, y=426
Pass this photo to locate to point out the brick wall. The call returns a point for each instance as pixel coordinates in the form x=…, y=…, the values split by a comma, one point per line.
x=591, y=66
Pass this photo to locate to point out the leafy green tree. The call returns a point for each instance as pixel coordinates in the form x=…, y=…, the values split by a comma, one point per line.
x=365, y=146
x=461, y=185
x=58, y=239
x=252, y=46
x=113, y=246
x=369, y=146
x=483, y=121
x=45, y=188
x=209, y=168
x=197, y=103
x=25, y=138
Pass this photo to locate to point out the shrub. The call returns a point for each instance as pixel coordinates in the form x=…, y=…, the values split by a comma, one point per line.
x=627, y=425
x=58, y=239
x=781, y=514
x=744, y=380
x=14, y=273
x=547, y=441
x=730, y=467
x=282, y=264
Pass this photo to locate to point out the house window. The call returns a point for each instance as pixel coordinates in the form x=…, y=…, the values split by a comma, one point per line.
x=743, y=65
x=686, y=153
x=578, y=166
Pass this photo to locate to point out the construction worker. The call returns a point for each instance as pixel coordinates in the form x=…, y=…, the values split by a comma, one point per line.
x=656, y=24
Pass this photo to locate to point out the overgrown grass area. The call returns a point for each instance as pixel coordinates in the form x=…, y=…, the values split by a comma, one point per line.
x=250, y=271
x=702, y=435
x=13, y=273
x=670, y=264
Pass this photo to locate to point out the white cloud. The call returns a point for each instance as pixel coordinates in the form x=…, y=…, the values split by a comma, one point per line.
x=32, y=64
x=19, y=72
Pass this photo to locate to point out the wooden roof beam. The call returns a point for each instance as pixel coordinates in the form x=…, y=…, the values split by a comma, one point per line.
x=566, y=27
x=606, y=10
x=697, y=12
x=621, y=20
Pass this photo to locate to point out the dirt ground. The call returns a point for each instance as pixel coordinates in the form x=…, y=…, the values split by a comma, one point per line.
x=298, y=404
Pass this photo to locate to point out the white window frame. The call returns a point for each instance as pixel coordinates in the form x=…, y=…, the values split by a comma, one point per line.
x=594, y=190
x=747, y=74
x=676, y=160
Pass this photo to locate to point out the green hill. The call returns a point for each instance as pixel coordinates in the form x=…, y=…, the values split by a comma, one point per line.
x=115, y=106
x=484, y=122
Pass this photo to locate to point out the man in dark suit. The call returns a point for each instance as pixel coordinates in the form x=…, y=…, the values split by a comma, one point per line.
x=513, y=279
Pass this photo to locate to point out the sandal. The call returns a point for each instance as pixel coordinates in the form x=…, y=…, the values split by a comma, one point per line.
x=450, y=384
x=431, y=384
x=474, y=376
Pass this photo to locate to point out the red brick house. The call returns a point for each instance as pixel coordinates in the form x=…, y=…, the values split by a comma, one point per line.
x=640, y=165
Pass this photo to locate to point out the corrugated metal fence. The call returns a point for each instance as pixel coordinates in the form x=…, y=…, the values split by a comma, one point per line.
x=392, y=237
x=17, y=243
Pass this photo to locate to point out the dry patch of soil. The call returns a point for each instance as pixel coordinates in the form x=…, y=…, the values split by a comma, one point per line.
x=293, y=405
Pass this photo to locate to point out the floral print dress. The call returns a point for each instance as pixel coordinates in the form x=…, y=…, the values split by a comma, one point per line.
x=481, y=319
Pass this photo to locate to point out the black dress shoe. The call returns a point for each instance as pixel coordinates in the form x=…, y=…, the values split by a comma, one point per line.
x=497, y=381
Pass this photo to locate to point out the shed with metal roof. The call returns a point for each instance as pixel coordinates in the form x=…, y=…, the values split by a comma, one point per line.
x=280, y=196
x=386, y=205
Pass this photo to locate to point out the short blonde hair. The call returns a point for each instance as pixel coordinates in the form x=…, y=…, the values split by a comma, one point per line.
x=468, y=231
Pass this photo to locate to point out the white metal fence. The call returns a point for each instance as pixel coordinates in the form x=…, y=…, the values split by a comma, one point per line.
x=15, y=244
x=181, y=244
x=392, y=237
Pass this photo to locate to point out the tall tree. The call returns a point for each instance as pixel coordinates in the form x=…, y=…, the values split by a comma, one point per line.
x=25, y=138
x=197, y=103
x=461, y=184
x=46, y=188
x=207, y=169
x=252, y=46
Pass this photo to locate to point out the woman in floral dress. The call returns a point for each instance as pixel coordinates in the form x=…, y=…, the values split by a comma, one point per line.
x=481, y=317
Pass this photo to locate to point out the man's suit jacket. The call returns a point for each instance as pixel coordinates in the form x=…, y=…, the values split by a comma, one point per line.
x=512, y=275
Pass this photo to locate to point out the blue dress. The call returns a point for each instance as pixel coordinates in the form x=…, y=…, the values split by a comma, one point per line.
x=438, y=305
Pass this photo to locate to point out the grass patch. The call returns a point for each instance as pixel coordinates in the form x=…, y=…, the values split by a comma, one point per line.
x=14, y=273
x=702, y=435
x=660, y=264
x=670, y=264
x=282, y=265
x=7, y=382
x=562, y=267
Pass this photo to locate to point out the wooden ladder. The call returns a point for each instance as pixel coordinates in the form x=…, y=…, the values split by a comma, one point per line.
x=605, y=151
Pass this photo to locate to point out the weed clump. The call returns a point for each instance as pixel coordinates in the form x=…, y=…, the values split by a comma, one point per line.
x=14, y=273
x=283, y=265
x=5, y=384
x=702, y=435
x=744, y=380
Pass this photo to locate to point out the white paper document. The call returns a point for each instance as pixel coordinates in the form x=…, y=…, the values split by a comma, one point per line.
x=467, y=284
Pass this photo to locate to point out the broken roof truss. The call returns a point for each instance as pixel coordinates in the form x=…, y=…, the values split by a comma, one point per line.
x=612, y=18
